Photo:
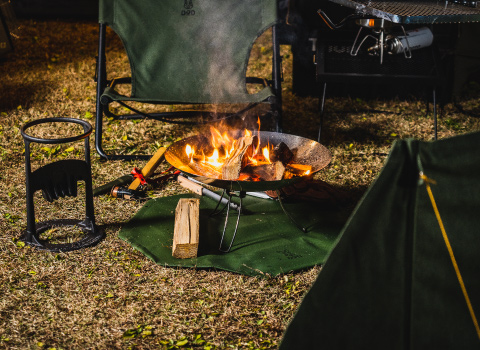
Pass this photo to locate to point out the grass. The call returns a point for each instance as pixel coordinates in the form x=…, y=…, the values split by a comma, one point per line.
x=112, y=297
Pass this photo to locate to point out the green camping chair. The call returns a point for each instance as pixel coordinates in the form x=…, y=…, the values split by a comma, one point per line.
x=405, y=271
x=186, y=52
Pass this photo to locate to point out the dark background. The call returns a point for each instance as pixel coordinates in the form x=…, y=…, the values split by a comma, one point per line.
x=301, y=23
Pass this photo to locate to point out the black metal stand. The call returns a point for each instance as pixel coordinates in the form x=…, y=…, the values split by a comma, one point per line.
x=55, y=180
x=227, y=205
x=300, y=227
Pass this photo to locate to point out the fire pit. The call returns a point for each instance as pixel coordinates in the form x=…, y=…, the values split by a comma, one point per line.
x=247, y=161
x=307, y=157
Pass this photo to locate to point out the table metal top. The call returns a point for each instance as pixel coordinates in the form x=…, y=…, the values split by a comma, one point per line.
x=413, y=12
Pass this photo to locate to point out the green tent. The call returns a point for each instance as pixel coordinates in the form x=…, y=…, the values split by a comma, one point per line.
x=392, y=282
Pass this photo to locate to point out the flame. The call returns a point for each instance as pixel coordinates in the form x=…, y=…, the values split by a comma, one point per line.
x=266, y=154
x=215, y=159
x=223, y=144
x=190, y=151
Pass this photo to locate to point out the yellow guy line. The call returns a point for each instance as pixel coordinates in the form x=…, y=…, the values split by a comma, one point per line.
x=450, y=251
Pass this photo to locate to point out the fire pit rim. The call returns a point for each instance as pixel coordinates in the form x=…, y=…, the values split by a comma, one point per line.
x=323, y=159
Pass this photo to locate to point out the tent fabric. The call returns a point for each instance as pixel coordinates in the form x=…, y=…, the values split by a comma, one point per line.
x=389, y=283
x=267, y=242
x=189, y=52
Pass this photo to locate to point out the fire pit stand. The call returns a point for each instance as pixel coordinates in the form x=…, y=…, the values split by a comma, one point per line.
x=239, y=207
x=217, y=211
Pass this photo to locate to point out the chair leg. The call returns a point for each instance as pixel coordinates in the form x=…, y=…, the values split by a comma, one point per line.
x=101, y=77
x=322, y=110
x=101, y=84
x=277, y=78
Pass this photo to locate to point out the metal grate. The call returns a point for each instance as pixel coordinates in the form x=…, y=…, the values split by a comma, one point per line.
x=410, y=12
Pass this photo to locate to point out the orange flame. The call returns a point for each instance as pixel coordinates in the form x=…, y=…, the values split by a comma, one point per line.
x=215, y=159
x=266, y=154
x=224, y=145
x=190, y=151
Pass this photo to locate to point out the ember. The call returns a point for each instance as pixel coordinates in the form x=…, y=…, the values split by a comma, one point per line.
x=243, y=158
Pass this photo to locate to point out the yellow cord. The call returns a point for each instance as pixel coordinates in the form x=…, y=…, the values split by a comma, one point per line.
x=450, y=251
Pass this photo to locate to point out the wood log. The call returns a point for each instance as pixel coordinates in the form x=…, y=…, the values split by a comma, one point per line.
x=239, y=159
x=205, y=169
x=294, y=169
x=282, y=153
x=187, y=228
x=268, y=172
x=150, y=167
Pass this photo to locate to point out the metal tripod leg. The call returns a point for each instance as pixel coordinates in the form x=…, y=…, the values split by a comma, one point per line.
x=216, y=211
x=303, y=229
x=322, y=111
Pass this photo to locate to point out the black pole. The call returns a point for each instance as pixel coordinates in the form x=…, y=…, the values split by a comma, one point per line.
x=277, y=78
x=101, y=84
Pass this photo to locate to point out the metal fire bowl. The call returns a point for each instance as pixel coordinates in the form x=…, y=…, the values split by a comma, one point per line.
x=305, y=152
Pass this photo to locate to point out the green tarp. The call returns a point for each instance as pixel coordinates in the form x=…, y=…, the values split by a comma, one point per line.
x=267, y=242
x=390, y=283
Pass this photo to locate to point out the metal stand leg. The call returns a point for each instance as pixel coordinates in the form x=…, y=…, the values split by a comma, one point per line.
x=322, y=110
x=216, y=211
x=303, y=229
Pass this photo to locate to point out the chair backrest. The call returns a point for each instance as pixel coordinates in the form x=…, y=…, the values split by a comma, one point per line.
x=189, y=51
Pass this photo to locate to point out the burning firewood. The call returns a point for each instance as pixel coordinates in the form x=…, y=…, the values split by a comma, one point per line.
x=205, y=169
x=282, y=153
x=239, y=159
x=243, y=159
x=266, y=172
x=294, y=169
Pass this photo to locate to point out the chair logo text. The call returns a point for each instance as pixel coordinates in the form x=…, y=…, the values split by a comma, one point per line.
x=188, y=5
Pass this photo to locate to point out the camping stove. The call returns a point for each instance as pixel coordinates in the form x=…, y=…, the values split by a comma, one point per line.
x=381, y=17
x=386, y=41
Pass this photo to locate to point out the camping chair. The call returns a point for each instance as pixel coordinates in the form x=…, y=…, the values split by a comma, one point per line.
x=186, y=52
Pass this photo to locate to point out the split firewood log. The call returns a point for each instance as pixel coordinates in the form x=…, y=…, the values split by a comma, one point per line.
x=186, y=230
x=205, y=169
x=239, y=159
